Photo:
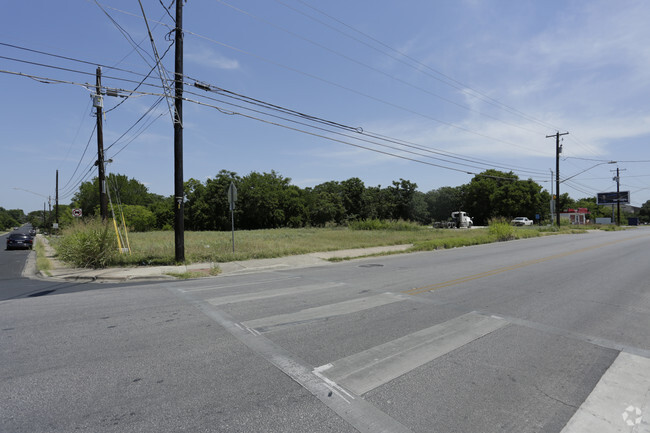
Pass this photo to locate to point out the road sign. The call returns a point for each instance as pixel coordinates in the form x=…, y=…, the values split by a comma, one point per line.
x=232, y=195
x=613, y=197
x=232, y=198
x=76, y=213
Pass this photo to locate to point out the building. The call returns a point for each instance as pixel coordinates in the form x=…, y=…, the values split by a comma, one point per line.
x=576, y=216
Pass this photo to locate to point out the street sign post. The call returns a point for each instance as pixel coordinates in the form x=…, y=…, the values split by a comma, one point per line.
x=232, y=199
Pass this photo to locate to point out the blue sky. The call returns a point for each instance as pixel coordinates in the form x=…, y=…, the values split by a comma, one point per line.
x=467, y=85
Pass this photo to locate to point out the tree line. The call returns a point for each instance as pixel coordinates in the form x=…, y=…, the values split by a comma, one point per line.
x=269, y=200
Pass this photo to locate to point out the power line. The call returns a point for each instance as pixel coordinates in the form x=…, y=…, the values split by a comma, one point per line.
x=357, y=130
x=372, y=68
x=331, y=83
x=49, y=80
x=420, y=66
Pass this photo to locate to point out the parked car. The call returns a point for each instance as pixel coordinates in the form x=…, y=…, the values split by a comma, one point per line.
x=19, y=240
x=521, y=221
x=32, y=232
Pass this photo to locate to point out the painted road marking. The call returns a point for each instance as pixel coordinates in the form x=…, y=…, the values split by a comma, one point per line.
x=331, y=310
x=371, y=368
x=266, y=294
x=620, y=401
x=496, y=271
x=213, y=286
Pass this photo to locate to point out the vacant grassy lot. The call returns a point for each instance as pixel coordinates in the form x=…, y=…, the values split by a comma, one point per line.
x=157, y=248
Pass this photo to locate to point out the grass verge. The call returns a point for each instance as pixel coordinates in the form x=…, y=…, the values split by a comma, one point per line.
x=157, y=248
x=43, y=264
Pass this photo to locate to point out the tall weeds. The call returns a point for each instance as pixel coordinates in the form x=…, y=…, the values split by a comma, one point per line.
x=88, y=244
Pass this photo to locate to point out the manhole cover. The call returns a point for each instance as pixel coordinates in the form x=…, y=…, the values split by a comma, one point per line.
x=371, y=265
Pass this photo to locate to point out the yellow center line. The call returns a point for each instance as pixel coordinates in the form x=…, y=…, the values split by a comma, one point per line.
x=496, y=271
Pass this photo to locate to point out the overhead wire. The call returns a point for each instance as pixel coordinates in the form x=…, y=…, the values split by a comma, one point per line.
x=359, y=132
x=226, y=111
x=419, y=65
x=348, y=89
x=372, y=68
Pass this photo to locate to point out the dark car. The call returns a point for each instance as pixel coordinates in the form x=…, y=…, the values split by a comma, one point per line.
x=19, y=240
x=32, y=232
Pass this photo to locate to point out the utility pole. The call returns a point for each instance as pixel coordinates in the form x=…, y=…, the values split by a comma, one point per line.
x=552, y=199
x=98, y=104
x=618, y=196
x=56, y=203
x=179, y=194
x=558, y=150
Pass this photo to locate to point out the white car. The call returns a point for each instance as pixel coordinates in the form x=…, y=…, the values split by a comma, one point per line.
x=521, y=221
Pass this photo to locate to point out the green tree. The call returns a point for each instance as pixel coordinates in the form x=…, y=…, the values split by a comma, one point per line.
x=120, y=188
x=163, y=210
x=216, y=196
x=326, y=204
x=494, y=193
x=480, y=191
x=7, y=220
x=443, y=201
x=644, y=213
x=377, y=203
x=261, y=196
x=418, y=209
x=352, y=194
x=323, y=207
x=402, y=193
x=138, y=218
x=197, y=212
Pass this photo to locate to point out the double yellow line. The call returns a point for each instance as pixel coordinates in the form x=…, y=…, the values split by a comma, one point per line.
x=461, y=280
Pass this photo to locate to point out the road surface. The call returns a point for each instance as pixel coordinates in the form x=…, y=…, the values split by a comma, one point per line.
x=539, y=335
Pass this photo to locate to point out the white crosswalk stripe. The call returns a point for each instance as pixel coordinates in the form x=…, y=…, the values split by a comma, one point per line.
x=371, y=368
x=266, y=294
x=620, y=402
x=322, y=312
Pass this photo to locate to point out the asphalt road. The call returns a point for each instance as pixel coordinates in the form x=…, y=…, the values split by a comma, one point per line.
x=539, y=335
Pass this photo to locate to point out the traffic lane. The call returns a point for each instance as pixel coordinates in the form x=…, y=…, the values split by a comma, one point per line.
x=139, y=359
x=416, y=270
x=600, y=292
x=12, y=262
x=513, y=379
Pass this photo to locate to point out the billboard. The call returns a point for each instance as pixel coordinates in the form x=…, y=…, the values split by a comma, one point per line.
x=613, y=197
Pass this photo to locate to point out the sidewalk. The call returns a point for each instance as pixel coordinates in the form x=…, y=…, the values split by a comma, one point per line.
x=60, y=271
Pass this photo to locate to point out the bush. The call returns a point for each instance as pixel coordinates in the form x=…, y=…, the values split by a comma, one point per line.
x=375, y=224
x=90, y=244
x=501, y=229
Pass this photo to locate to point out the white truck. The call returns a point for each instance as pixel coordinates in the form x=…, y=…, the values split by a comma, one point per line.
x=459, y=219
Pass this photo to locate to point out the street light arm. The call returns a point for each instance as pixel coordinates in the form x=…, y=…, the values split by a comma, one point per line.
x=587, y=169
x=31, y=192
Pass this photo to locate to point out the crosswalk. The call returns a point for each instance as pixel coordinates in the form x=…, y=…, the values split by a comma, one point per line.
x=619, y=403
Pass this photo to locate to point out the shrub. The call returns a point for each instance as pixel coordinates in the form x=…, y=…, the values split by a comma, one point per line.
x=89, y=244
x=376, y=224
x=501, y=229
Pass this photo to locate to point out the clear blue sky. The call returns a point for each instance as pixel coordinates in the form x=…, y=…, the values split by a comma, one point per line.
x=486, y=81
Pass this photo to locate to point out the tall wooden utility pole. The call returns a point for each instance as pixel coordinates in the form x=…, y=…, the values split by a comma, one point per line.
x=179, y=208
x=618, y=196
x=56, y=203
x=557, y=173
x=98, y=104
